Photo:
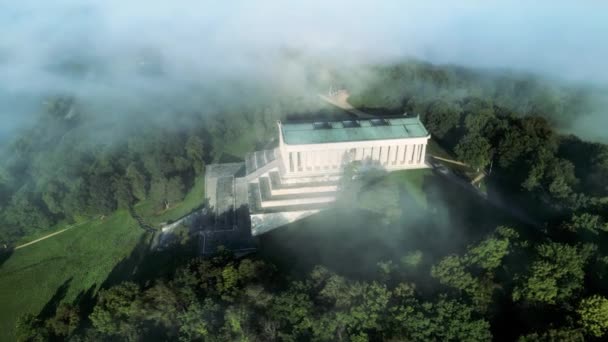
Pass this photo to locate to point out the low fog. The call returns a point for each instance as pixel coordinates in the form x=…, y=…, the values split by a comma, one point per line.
x=129, y=52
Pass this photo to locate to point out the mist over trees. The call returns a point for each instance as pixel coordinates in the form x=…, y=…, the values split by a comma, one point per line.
x=530, y=282
x=110, y=106
x=72, y=163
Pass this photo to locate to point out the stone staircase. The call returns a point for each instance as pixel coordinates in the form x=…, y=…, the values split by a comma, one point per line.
x=259, y=162
x=275, y=201
x=264, y=194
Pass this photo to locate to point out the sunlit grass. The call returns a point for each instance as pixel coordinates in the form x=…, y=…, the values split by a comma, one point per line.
x=81, y=258
x=411, y=182
x=194, y=199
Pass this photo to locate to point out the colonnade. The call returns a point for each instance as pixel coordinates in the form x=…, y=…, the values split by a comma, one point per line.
x=389, y=156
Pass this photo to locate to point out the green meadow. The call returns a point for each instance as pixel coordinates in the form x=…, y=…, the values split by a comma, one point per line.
x=62, y=267
x=79, y=260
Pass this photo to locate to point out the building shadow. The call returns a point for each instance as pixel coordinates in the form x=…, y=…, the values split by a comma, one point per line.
x=348, y=236
x=353, y=241
x=227, y=230
x=144, y=264
x=158, y=254
x=128, y=267
x=457, y=204
x=139, y=266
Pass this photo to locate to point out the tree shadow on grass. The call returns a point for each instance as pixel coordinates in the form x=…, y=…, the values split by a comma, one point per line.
x=50, y=307
x=142, y=266
x=85, y=300
x=5, y=254
x=85, y=303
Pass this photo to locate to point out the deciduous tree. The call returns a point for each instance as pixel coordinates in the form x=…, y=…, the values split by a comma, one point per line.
x=593, y=312
x=555, y=275
x=474, y=150
x=194, y=152
x=116, y=311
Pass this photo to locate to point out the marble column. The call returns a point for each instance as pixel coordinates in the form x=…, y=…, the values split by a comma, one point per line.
x=359, y=153
x=383, y=154
x=376, y=153
x=305, y=160
x=391, y=154
x=414, y=151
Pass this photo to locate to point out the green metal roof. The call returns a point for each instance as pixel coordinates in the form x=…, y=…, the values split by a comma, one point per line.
x=343, y=131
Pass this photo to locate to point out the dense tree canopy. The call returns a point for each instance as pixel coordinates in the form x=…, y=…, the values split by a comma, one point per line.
x=538, y=276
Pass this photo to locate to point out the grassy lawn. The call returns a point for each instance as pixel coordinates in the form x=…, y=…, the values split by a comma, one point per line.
x=240, y=147
x=77, y=260
x=193, y=200
x=235, y=150
x=410, y=182
x=74, y=262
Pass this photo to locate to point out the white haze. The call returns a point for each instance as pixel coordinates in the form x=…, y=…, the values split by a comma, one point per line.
x=208, y=42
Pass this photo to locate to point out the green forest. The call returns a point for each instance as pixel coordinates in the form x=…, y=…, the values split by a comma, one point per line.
x=400, y=257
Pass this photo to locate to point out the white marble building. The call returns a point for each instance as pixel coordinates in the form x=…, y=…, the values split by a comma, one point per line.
x=322, y=148
x=301, y=176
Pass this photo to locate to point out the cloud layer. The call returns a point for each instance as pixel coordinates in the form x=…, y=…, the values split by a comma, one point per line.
x=50, y=46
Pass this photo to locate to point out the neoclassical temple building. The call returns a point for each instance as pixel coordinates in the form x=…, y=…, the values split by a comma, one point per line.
x=300, y=177
x=323, y=148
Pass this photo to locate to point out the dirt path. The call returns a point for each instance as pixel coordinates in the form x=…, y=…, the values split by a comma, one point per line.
x=50, y=235
x=340, y=100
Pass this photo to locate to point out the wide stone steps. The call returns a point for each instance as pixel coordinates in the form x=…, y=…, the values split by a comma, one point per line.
x=292, y=208
x=277, y=183
x=255, y=199
x=262, y=198
x=270, y=155
x=258, y=159
x=297, y=201
x=275, y=201
x=306, y=190
x=262, y=223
